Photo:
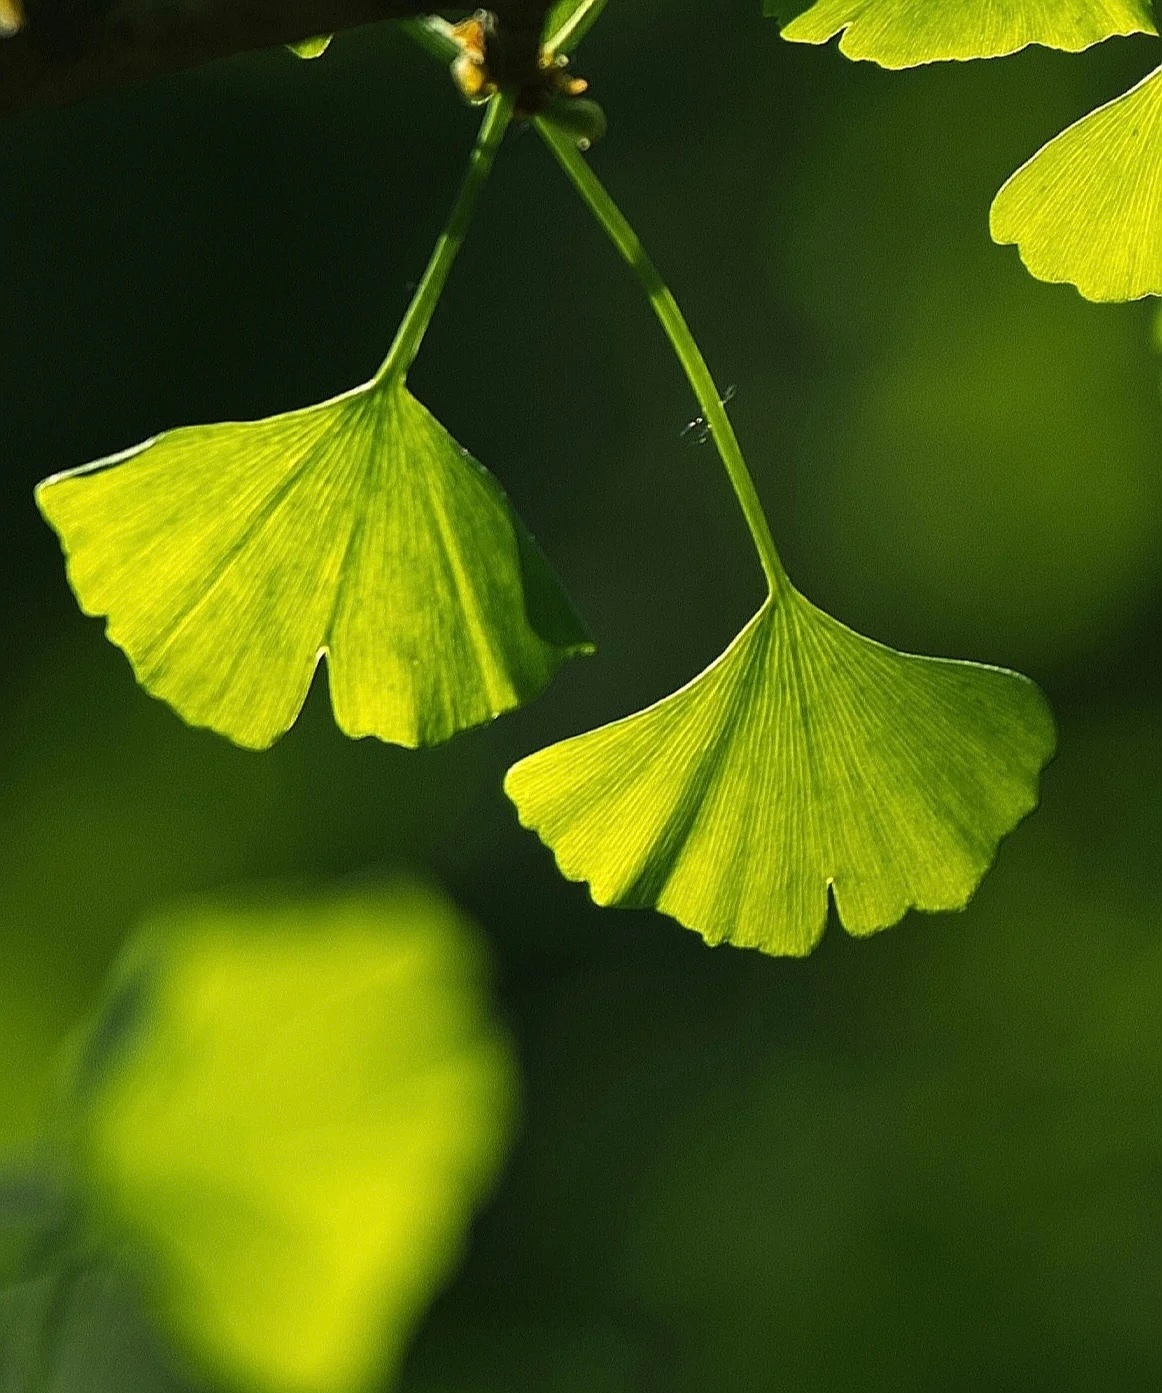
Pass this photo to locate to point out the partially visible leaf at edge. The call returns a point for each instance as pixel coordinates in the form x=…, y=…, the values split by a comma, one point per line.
x=1087, y=208
x=904, y=33
x=312, y=48
x=568, y=21
x=288, y=1147
x=805, y=759
x=228, y=559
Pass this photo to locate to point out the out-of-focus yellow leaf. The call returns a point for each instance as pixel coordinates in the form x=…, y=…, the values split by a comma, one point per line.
x=288, y=1114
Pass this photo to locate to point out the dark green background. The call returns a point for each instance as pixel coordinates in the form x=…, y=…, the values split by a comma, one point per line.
x=926, y=1161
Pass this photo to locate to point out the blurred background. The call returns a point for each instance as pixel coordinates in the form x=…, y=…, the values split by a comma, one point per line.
x=927, y=1160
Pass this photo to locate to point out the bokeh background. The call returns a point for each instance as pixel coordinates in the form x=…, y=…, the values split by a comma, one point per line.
x=927, y=1160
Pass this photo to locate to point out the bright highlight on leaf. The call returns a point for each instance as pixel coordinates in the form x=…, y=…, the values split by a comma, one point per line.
x=287, y=1116
x=230, y=558
x=805, y=757
x=312, y=48
x=903, y=33
x=1087, y=208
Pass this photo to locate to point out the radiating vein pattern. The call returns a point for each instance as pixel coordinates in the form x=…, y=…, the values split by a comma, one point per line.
x=806, y=757
x=904, y=33
x=229, y=558
x=1087, y=208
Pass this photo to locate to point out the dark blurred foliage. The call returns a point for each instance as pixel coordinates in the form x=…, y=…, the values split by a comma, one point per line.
x=929, y=1160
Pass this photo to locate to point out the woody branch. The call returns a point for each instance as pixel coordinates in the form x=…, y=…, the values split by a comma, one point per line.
x=69, y=50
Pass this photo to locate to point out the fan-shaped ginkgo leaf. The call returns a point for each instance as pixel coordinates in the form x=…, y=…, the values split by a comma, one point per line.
x=229, y=558
x=284, y=1120
x=1087, y=208
x=805, y=757
x=904, y=33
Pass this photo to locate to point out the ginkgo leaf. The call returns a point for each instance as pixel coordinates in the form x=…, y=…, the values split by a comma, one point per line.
x=284, y=1121
x=805, y=757
x=1087, y=208
x=229, y=558
x=312, y=48
x=903, y=33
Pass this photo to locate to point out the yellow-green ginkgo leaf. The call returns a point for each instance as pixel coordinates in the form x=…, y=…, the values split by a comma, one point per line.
x=285, y=1119
x=904, y=33
x=228, y=559
x=805, y=758
x=1087, y=208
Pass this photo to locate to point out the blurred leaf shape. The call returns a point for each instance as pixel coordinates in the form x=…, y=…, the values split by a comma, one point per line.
x=805, y=758
x=1087, y=208
x=11, y=17
x=904, y=33
x=288, y=1132
x=312, y=48
x=568, y=21
x=79, y=1328
x=228, y=559
x=580, y=120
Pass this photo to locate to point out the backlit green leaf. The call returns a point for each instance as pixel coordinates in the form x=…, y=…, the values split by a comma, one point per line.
x=288, y=1140
x=1087, y=208
x=229, y=558
x=312, y=48
x=806, y=757
x=903, y=33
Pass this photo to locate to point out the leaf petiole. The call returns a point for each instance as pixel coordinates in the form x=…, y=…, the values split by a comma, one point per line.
x=628, y=244
x=419, y=313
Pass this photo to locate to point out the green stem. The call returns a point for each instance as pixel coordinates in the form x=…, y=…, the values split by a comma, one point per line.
x=410, y=334
x=626, y=240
